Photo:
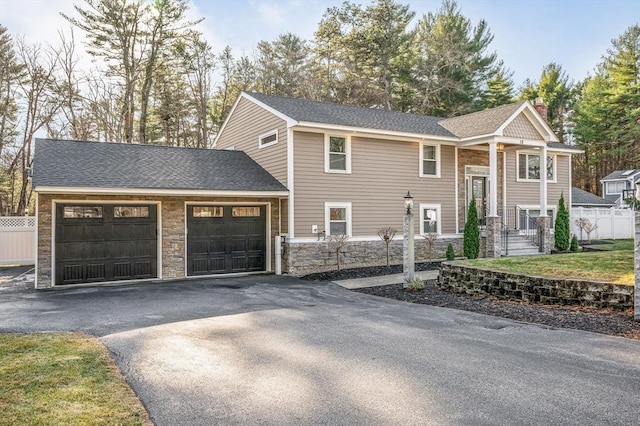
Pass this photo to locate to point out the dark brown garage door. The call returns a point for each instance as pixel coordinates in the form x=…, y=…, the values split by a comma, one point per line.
x=105, y=242
x=225, y=239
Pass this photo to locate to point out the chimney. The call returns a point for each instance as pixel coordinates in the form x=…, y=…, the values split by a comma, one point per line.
x=541, y=108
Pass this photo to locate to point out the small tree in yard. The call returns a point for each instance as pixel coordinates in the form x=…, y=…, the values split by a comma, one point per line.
x=471, y=242
x=562, y=231
x=336, y=243
x=581, y=223
x=589, y=228
x=430, y=239
x=386, y=235
x=574, y=247
x=451, y=254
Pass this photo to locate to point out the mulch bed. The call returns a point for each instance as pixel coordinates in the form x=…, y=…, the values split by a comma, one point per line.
x=605, y=321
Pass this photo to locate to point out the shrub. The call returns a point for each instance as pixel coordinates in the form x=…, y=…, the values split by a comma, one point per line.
x=561, y=229
x=416, y=284
x=450, y=253
x=471, y=242
x=386, y=235
x=574, y=247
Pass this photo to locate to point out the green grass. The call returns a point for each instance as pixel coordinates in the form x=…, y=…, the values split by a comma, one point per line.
x=609, y=266
x=616, y=245
x=63, y=379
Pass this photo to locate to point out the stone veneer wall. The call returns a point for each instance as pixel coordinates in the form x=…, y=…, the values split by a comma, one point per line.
x=309, y=257
x=504, y=285
x=171, y=213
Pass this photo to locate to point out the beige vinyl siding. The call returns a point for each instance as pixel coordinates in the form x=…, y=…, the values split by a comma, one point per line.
x=382, y=173
x=528, y=193
x=242, y=130
x=520, y=127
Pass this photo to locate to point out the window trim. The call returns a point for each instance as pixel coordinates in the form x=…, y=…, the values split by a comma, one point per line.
x=437, y=160
x=438, y=209
x=527, y=153
x=327, y=153
x=327, y=216
x=265, y=135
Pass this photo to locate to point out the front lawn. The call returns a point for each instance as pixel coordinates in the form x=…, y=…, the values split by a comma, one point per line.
x=63, y=379
x=614, y=266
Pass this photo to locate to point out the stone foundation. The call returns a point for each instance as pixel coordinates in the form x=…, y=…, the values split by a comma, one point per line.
x=309, y=257
x=556, y=291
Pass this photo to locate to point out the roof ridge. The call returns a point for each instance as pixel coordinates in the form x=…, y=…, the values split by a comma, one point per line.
x=470, y=114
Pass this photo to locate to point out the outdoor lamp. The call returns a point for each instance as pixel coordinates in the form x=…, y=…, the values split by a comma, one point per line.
x=408, y=202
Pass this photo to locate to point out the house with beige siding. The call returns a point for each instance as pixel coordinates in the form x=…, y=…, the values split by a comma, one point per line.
x=347, y=169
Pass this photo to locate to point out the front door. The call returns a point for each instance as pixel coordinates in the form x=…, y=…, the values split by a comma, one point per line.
x=478, y=192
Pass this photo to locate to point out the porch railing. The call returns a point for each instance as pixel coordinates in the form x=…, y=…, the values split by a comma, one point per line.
x=514, y=219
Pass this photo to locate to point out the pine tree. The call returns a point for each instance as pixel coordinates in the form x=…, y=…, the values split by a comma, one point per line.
x=451, y=255
x=471, y=242
x=562, y=226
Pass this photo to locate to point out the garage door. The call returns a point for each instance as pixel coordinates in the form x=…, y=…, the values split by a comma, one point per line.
x=105, y=242
x=225, y=239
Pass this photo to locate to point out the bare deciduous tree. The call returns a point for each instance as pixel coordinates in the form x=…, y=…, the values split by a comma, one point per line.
x=386, y=235
x=430, y=239
x=336, y=242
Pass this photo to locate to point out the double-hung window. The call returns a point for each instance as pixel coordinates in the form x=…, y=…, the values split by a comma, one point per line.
x=529, y=167
x=429, y=160
x=337, y=154
x=430, y=219
x=337, y=218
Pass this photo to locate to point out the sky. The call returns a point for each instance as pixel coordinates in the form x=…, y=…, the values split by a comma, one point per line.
x=528, y=34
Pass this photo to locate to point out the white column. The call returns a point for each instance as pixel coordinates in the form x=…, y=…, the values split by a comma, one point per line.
x=493, y=179
x=543, y=181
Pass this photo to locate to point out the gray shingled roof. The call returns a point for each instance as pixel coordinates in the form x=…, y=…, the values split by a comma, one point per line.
x=561, y=145
x=619, y=175
x=352, y=116
x=481, y=122
x=580, y=197
x=113, y=165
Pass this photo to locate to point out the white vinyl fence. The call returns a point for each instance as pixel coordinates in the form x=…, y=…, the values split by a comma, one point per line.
x=17, y=240
x=611, y=222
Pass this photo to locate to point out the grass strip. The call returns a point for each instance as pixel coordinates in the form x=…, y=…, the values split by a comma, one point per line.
x=63, y=379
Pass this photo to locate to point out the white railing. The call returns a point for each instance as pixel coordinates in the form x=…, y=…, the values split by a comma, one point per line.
x=611, y=222
x=17, y=240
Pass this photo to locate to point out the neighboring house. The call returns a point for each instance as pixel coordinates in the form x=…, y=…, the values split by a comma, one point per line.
x=619, y=185
x=582, y=198
x=109, y=212
x=348, y=168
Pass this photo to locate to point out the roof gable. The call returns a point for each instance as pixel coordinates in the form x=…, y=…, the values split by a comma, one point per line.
x=479, y=123
x=61, y=163
x=520, y=127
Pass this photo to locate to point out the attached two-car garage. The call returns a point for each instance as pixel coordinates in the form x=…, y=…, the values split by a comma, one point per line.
x=109, y=242
x=115, y=212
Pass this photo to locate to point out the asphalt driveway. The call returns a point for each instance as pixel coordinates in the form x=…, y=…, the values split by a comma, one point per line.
x=277, y=350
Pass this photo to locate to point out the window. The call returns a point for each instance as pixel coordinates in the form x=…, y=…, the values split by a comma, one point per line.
x=82, y=212
x=268, y=139
x=245, y=212
x=209, y=211
x=130, y=211
x=529, y=167
x=616, y=187
x=429, y=160
x=338, y=218
x=337, y=154
x=430, y=219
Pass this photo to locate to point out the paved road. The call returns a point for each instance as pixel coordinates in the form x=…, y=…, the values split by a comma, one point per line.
x=276, y=350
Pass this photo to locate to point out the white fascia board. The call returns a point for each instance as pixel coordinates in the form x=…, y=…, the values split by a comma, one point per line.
x=372, y=133
x=159, y=192
x=565, y=151
x=244, y=95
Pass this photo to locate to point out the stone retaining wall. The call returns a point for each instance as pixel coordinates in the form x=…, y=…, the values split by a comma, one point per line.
x=504, y=285
x=309, y=257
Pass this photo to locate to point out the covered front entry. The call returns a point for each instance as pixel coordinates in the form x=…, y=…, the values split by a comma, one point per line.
x=226, y=239
x=105, y=242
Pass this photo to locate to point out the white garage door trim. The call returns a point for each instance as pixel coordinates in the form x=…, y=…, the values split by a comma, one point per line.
x=54, y=203
x=267, y=206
